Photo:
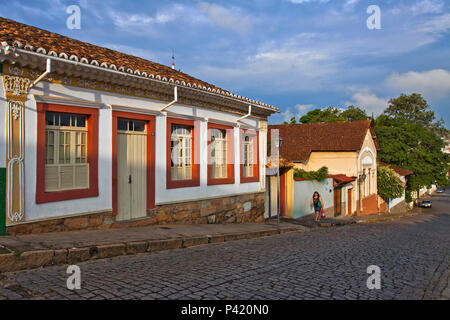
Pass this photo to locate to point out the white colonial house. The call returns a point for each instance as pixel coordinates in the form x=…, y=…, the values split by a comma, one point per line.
x=93, y=138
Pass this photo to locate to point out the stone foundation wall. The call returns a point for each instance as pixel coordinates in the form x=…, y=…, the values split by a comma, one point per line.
x=234, y=209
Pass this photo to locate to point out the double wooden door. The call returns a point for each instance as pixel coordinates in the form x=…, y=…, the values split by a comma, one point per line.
x=132, y=174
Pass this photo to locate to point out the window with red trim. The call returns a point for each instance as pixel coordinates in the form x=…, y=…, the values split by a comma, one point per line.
x=249, y=156
x=67, y=153
x=220, y=154
x=182, y=166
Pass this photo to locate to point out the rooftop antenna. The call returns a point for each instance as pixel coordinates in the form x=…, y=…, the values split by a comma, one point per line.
x=173, y=59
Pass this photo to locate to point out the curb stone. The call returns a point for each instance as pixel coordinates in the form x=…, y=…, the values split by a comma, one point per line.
x=110, y=250
x=137, y=247
x=7, y=262
x=160, y=245
x=11, y=262
x=388, y=218
x=195, y=241
x=78, y=255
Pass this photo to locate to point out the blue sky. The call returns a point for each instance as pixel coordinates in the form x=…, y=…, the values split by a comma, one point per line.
x=294, y=54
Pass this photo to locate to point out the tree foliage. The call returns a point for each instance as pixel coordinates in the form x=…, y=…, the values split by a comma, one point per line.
x=332, y=114
x=415, y=109
x=292, y=121
x=354, y=114
x=389, y=185
x=318, y=175
x=408, y=139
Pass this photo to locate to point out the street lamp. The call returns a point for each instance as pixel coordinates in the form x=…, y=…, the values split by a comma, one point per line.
x=361, y=179
x=280, y=142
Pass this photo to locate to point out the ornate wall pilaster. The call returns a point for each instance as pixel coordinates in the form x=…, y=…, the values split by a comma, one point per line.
x=263, y=127
x=16, y=88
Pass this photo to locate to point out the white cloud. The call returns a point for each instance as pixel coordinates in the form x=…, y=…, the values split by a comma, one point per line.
x=283, y=65
x=419, y=8
x=349, y=5
x=139, y=22
x=432, y=83
x=230, y=19
x=439, y=24
x=369, y=101
x=124, y=20
x=286, y=115
x=297, y=112
x=427, y=6
x=306, y=1
x=303, y=108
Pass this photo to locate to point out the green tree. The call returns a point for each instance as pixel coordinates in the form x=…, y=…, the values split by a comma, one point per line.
x=333, y=114
x=407, y=136
x=414, y=108
x=354, y=114
x=292, y=121
x=389, y=185
x=312, y=116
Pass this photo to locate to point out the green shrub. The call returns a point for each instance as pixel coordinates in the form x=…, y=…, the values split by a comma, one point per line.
x=408, y=197
x=318, y=175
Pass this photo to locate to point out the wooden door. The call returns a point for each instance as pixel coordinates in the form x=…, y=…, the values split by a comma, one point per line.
x=337, y=202
x=132, y=175
x=350, y=200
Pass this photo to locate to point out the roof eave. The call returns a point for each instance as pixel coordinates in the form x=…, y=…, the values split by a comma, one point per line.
x=13, y=54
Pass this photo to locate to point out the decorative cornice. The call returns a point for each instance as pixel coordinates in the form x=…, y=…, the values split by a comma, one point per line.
x=68, y=102
x=70, y=75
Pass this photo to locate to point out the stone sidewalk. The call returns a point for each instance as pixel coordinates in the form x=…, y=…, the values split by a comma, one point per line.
x=34, y=251
x=308, y=221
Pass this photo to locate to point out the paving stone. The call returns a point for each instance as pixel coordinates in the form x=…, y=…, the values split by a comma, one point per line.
x=321, y=265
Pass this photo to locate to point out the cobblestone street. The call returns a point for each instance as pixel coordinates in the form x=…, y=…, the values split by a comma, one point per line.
x=413, y=255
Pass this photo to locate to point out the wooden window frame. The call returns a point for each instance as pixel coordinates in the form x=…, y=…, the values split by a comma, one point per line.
x=150, y=131
x=230, y=155
x=92, y=154
x=255, y=137
x=195, y=181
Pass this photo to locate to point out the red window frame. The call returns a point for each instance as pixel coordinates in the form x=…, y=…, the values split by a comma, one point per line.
x=92, y=154
x=195, y=181
x=150, y=127
x=230, y=155
x=255, y=137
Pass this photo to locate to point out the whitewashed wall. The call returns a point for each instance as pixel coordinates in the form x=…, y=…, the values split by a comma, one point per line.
x=104, y=200
x=395, y=202
x=303, y=193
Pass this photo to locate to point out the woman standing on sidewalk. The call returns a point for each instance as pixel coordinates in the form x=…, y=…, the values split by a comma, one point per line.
x=317, y=202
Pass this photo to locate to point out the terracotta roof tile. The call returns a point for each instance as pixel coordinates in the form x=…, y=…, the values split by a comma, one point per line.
x=33, y=39
x=342, y=178
x=400, y=171
x=299, y=140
